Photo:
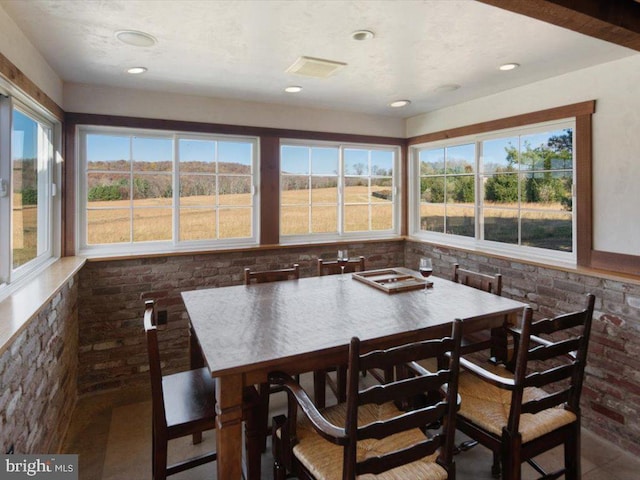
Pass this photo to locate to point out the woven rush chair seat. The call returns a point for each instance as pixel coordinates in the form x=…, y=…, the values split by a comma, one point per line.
x=324, y=459
x=379, y=432
x=489, y=407
x=522, y=414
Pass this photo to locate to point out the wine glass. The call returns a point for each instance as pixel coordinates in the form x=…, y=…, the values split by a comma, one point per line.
x=343, y=258
x=425, y=268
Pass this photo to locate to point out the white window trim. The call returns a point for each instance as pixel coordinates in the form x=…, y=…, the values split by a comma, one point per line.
x=540, y=255
x=160, y=246
x=301, y=239
x=13, y=279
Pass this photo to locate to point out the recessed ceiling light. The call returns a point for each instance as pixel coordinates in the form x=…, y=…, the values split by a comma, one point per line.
x=508, y=66
x=293, y=89
x=136, y=70
x=400, y=103
x=135, y=38
x=361, y=35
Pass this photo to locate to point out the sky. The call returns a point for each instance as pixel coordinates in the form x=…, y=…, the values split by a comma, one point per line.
x=153, y=149
x=493, y=150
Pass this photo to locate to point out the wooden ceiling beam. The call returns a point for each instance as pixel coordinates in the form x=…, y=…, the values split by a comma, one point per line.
x=615, y=21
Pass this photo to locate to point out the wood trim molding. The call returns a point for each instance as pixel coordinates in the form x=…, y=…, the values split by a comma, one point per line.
x=615, y=21
x=615, y=262
x=218, y=128
x=69, y=191
x=584, y=193
x=20, y=80
x=270, y=186
x=404, y=189
x=557, y=113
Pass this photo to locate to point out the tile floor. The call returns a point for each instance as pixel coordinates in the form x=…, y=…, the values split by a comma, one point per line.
x=112, y=434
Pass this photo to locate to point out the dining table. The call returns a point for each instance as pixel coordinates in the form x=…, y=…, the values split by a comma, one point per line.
x=296, y=326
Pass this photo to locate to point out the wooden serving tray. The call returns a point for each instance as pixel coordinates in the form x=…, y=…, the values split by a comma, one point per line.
x=391, y=280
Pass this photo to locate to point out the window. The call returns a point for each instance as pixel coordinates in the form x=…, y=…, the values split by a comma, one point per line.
x=508, y=190
x=337, y=191
x=143, y=190
x=27, y=171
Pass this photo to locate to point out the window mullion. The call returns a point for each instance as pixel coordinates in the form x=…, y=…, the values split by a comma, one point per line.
x=479, y=206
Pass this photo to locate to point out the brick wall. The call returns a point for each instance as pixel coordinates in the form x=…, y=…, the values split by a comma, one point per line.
x=112, y=352
x=611, y=394
x=38, y=377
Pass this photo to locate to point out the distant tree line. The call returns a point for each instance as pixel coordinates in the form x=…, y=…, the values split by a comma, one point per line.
x=107, y=185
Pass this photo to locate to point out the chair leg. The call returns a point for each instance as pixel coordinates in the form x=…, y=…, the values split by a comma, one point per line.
x=572, y=454
x=341, y=381
x=279, y=470
x=153, y=450
x=160, y=459
x=496, y=467
x=262, y=423
x=511, y=447
x=320, y=388
x=197, y=438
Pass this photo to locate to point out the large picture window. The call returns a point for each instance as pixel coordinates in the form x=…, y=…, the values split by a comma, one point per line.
x=165, y=190
x=27, y=172
x=337, y=190
x=499, y=190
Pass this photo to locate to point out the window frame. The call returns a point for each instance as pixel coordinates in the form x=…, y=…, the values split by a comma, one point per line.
x=49, y=216
x=341, y=234
x=477, y=243
x=174, y=244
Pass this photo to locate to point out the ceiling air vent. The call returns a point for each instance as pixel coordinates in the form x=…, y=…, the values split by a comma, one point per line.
x=315, y=67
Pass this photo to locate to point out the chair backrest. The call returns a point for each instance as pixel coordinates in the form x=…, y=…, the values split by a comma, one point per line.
x=440, y=387
x=555, y=365
x=332, y=267
x=481, y=281
x=266, y=276
x=155, y=370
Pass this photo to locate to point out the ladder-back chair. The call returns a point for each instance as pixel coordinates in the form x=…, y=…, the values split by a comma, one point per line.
x=369, y=434
x=520, y=415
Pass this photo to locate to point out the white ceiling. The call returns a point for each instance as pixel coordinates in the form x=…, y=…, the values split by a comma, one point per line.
x=241, y=49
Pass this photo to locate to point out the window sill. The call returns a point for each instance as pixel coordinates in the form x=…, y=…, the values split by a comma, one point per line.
x=247, y=248
x=565, y=267
x=20, y=306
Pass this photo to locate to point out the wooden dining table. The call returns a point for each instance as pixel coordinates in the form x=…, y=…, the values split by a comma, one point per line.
x=304, y=325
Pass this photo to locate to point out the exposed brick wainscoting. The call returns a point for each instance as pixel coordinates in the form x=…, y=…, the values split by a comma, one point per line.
x=611, y=394
x=112, y=352
x=38, y=377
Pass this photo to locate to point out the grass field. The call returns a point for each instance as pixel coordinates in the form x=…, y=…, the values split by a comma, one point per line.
x=548, y=226
x=110, y=221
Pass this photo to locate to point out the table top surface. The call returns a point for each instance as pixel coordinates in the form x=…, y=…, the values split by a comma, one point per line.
x=241, y=328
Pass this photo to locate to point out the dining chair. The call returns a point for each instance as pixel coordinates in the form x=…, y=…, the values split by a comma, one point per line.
x=481, y=281
x=265, y=276
x=321, y=378
x=182, y=404
x=495, y=339
x=265, y=390
x=521, y=415
x=369, y=434
x=332, y=267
